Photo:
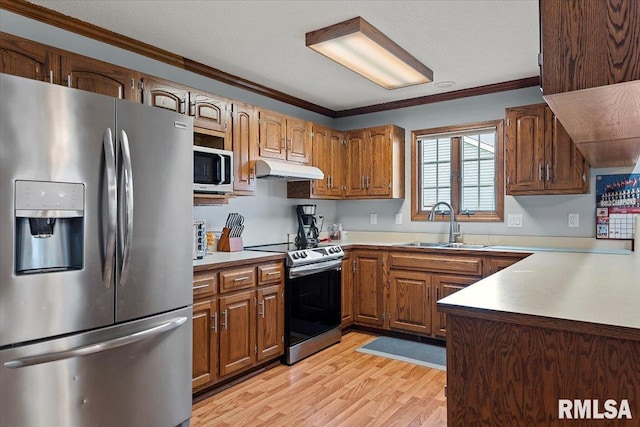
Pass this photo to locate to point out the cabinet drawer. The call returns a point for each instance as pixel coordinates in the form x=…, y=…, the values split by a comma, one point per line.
x=270, y=273
x=204, y=283
x=238, y=278
x=437, y=263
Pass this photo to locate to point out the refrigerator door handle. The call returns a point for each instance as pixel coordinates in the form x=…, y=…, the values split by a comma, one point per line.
x=96, y=348
x=128, y=194
x=112, y=201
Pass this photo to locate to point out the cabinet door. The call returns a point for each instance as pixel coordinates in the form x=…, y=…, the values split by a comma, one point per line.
x=270, y=322
x=525, y=149
x=209, y=112
x=245, y=147
x=337, y=156
x=378, y=156
x=356, y=160
x=237, y=332
x=321, y=158
x=347, y=290
x=445, y=285
x=493, y=265
x=410, y=301
x=565, y=167
x=24, y=58
x=273, y=135
x=298, y=141
x=205, y=343
x=164, y=94
x=369, y=288
x=96, y=76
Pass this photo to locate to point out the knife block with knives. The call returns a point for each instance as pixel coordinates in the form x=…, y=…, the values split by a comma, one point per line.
x=231, y=238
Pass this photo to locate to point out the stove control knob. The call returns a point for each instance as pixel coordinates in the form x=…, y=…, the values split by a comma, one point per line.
x=295, y=255
x=303, y=254
x=337, y=249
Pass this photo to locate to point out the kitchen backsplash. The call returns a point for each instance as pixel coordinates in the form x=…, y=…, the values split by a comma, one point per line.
x=269, y=216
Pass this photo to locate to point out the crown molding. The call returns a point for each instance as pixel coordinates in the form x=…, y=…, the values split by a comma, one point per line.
x=82, y=28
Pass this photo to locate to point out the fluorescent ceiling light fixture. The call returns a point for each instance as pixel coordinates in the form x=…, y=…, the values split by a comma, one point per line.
x=362, y=48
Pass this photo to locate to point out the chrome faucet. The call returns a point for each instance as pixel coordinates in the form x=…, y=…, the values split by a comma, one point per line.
x=454, y=227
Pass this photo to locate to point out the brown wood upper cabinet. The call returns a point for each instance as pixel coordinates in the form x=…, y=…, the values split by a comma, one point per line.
x=283, y=137
x=244, y=131
x=100, y=77
x=588, y=43
x=24, y=58
x=210, y=112
x=328, y=156
x=375, y=162
x=540, y=156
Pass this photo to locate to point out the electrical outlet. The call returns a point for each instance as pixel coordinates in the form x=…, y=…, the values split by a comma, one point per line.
x=514, y=220
x=374, y=219
x=399, y=218
x=574, y=220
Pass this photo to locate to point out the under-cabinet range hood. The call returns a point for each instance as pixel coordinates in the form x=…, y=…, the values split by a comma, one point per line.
x=268, y=168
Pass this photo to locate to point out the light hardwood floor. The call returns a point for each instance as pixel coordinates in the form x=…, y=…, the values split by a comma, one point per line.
x=336, y=387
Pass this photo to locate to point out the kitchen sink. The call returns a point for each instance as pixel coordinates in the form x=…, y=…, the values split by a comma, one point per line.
x=440, y=245
x=421, y=244
x=461, y=246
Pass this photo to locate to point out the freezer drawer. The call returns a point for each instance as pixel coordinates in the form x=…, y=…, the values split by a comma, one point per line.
x=136, y=374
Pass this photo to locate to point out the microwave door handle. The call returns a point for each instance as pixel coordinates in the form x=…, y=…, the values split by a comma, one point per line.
x=228, y=179
x=128, y=202
x=112, y=201
x=221, y=170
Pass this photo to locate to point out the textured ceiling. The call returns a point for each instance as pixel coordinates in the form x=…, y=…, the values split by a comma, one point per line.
x=470, y=42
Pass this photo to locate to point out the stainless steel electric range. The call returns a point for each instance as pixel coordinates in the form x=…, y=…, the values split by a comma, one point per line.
x=312, y=298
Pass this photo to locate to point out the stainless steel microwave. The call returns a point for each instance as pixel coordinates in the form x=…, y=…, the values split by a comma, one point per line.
x=212, y=170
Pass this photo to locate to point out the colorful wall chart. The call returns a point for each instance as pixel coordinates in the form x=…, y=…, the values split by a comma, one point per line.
x=617, y=205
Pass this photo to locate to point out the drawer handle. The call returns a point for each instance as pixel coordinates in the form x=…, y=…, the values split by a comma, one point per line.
x=240, y=279
x=200, y=287
x=272, y=273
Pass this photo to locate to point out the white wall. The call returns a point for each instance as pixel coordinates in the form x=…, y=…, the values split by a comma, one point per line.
x=269, y=216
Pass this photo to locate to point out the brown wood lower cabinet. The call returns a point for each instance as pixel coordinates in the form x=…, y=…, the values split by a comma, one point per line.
x=238, y=320
x=398, y=290
x=445, y=285
x=410, y=300
x=237, y=332
x=205, y=342
x=270, y=322
x=348, y=270
x=369, y=285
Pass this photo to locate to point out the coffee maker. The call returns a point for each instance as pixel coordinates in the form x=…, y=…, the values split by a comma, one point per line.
x=308, y=231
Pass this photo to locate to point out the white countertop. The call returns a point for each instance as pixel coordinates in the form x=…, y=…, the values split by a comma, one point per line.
x=225, y=257
x=584, y=287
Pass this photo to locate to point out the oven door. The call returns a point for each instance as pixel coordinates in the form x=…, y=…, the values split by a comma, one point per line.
x=312, y=301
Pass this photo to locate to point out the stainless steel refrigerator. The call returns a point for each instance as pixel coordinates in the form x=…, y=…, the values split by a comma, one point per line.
x=95, y=260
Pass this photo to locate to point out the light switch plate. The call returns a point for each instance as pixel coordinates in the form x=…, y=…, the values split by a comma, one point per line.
x=399, y=218
x=574, y=220
x=374, y=219
x=514, y=220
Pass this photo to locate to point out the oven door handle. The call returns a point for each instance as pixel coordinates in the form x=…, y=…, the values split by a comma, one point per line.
x=319, y=267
